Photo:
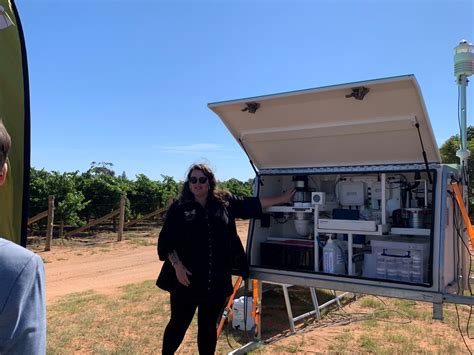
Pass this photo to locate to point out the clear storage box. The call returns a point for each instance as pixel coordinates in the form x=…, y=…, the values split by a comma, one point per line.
x=404, y=259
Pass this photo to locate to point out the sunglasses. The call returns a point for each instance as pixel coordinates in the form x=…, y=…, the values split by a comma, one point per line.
x=202, y=180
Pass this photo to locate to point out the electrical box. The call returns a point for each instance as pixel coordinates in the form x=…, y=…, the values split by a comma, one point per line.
x=352, y=193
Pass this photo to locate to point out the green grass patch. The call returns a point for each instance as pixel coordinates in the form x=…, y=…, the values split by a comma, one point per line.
x=404, y=343
x=341, y=342
x=370, y=323
x=371, y=302
x=368, y=344
x=292, y=348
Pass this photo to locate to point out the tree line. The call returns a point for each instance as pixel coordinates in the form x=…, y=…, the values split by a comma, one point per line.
x=81, y=197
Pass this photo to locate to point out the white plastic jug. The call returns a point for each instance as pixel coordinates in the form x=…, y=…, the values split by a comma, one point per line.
x=333, y=258
x=242, y=318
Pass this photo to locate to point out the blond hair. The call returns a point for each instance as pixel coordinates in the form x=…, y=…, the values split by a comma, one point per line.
x=5, y=143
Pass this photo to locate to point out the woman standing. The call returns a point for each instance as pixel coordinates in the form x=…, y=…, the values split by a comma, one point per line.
x=200, y=246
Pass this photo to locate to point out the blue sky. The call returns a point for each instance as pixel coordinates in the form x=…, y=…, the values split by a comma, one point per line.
x=128, y=82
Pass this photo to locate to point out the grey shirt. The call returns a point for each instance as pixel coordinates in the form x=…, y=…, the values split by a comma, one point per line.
x=22, y=301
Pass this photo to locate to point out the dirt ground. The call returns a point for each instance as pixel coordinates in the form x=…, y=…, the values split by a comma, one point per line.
x=106, y=266
x=75, y=269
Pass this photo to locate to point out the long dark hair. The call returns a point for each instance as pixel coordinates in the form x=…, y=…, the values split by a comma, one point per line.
x=213, y=193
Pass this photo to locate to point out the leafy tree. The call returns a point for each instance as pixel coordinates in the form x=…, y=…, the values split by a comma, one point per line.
x=69, y=202
x=144, y=195
x=102, y=190
x=38, y=191
x=169, y=189
x=448, y=156
x=102, y=168
x=237, y=187
x=449, y=148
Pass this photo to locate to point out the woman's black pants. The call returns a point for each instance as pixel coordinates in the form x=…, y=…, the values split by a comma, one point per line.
x=182, y=313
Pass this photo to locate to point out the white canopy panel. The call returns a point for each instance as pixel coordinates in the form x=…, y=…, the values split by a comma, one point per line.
x=329, y=126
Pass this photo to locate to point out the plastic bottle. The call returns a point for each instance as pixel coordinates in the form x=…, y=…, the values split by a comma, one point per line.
x=333, y=258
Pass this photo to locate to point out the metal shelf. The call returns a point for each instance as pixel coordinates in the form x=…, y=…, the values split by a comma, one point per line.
x=381, y=230
x=291, y=209
x=411, y=231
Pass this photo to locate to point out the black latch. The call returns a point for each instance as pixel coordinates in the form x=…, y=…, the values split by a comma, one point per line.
x=358, y=93
x=251, y=107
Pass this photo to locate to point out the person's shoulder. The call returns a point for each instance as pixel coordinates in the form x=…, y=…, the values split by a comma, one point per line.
x=14, y=257
x=7, y=246
x=18, y=265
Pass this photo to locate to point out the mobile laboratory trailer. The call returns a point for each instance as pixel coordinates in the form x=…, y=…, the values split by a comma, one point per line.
x=374, y=210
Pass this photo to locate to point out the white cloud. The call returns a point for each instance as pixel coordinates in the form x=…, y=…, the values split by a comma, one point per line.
x=200, y=148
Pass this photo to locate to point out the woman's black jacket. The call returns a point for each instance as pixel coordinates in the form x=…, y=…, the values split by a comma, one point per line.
x=207, y=243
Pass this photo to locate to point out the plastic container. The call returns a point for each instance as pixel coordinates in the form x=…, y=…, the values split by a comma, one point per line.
x=380, y=268
x=405, y=268
x=392, y=268
x=242, y=317
x=333, y=258
x=416, y=271
x=401, y=259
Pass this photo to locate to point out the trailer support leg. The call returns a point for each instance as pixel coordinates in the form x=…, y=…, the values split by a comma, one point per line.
x=438, y=311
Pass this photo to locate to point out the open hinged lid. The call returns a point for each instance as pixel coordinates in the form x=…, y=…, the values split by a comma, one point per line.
x=363, y=123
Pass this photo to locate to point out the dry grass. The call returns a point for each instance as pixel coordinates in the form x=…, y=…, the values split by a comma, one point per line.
x=133, y=322
x=379, y=325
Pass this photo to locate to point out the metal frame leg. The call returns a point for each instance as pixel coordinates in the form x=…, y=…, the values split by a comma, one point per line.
x=337, y=298
x=438, y=311
x=314, y=298
x=288, y=307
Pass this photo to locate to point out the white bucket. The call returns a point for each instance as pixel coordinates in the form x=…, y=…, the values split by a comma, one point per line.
x=242, y=317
